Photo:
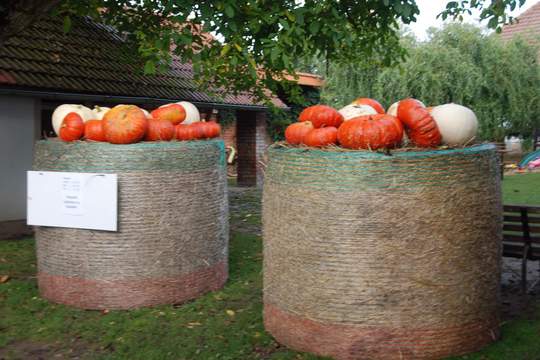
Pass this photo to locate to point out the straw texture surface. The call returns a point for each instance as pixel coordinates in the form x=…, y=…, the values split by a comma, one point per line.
x=172, y=242
x=367, y=244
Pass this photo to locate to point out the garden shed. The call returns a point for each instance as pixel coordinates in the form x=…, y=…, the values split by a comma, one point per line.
x=43, y=67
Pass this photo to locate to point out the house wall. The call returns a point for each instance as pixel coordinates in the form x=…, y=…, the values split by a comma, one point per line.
x=19, y=128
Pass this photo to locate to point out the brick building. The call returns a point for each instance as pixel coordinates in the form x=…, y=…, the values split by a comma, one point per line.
x=527, y=26
x=43, y=67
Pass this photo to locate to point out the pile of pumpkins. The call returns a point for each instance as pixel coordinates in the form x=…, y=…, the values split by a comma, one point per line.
x=364, y=124
x=128, y=124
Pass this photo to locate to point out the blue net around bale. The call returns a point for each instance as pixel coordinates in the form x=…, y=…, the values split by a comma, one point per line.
x=376, y=256
x=172, y=239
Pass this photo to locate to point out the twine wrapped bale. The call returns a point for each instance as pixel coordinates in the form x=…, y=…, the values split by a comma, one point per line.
x=371, y=256
x=172, y=239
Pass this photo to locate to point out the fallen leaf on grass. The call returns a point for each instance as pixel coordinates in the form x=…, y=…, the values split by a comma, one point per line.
x=4, y=278
x=230, y=312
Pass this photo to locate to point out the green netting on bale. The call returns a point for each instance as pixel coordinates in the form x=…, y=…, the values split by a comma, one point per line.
x=85, y=156
x=355, y=170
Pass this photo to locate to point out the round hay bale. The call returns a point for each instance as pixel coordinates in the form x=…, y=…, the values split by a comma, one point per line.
x=172, y=238
x=374, y=256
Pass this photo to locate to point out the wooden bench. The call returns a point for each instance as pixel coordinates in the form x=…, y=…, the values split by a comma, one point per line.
x=521, y=235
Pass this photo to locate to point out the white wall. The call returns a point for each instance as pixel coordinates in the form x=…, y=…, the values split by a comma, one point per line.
x=19, y=128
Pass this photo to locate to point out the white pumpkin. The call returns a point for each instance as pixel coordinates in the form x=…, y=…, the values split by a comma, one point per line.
x=61, y=111
x=99, y=111
x=146, y=113
x=457, y=124
x=351, y=111
x=192, y=113
x=392, y=110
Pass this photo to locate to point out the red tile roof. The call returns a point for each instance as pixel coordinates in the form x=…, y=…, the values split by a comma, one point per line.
x=527, y=26
x=91, y=59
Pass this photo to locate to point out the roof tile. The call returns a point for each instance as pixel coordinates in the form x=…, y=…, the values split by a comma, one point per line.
x=92, y=59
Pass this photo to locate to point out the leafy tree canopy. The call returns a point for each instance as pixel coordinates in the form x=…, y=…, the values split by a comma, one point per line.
x=255, y=42
x=459, y=63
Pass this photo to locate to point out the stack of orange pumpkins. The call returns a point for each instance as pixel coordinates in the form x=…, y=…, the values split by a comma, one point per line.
x=364, y=125
x=127, y=124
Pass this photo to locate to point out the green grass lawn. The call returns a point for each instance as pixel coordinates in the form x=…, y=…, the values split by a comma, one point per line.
x=522, y=189
x=226, y=324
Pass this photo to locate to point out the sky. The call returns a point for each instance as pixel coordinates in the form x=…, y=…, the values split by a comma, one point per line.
x=429, y=9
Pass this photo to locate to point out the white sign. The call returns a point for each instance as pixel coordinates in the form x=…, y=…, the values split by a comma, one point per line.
x=74, y=200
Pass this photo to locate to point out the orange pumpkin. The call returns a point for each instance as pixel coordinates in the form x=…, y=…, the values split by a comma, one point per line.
x=93, y=130
x=213, y=129
x=321, y=115
x=175, y=113
x=295, y=133
x=184, y=132
x=205, y=130
x=159, y=130
x=420, y=126
x=321, y=137
x=371, y=102
x=371, y=132
x=124, y=124
x=72, y=127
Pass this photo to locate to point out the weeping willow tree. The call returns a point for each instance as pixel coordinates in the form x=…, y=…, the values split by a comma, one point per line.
x=460, y=64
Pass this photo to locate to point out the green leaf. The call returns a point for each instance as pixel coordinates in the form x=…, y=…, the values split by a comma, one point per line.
x=225, y=50
x=493, y=22
x=150, y=67
x=290, y=16
x=229, y=10
x=274, y=54
x=67, y=24
x=314, y=27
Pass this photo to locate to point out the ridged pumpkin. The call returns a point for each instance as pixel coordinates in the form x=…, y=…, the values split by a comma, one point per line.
x=321, y=137
x=72, y=127
x=93, y=130
x=159, y=130
x=296, y=132
x=420, y=126
x=124, y=124
x=371, y=132
x=321, y=115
